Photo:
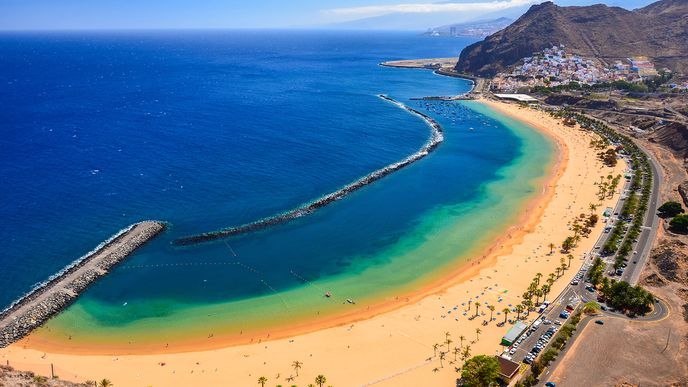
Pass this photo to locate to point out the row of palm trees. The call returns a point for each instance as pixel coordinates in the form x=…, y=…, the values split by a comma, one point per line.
x=537, y=289
x=320, y=380
x=102, y=383
x=465, y=352
x=606, y=189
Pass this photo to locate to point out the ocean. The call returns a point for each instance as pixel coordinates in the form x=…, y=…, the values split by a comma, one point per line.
x=212, y=129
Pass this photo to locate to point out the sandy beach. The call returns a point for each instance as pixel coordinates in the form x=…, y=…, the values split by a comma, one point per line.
x=392, y=345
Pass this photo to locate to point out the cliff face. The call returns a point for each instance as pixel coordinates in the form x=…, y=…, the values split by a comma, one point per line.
x=659, y=30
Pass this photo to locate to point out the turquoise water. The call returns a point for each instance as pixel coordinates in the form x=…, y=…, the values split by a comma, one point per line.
x=215, y=129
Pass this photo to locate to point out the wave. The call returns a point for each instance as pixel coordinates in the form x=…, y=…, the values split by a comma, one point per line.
x=436, y=138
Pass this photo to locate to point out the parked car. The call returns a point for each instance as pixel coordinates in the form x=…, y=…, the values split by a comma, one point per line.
x=600, y=322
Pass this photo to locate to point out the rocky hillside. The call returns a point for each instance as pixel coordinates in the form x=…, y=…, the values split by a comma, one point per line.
x=659, y=31
x=12, y=378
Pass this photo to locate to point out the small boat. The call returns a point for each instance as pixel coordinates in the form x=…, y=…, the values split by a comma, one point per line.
x=350, y=301
x=328, y=294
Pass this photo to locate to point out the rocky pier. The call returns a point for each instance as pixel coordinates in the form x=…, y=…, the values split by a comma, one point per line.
x=58, y=292
x=436, y=137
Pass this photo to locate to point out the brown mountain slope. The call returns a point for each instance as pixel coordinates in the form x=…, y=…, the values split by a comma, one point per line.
x=659, y=30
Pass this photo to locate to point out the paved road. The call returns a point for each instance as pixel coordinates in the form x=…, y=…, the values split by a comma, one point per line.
x=650, y=226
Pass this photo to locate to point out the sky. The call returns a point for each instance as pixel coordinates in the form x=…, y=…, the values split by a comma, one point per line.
x=179, y=14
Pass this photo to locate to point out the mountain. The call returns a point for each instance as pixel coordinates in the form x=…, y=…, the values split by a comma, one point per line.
x=478, y=28
x=404, y=21
x=659, y=30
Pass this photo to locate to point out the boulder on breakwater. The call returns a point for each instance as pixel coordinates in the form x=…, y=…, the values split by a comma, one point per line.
x=51, y=297
x=436, y=137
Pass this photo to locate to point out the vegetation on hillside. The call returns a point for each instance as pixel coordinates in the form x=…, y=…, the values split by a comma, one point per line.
x=670, y=209
x=679, y=224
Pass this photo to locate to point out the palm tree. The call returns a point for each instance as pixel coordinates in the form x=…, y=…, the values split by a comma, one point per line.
x=570, y=257
x=105, y=383
x=469, y=304
x=492, y=309
x=466, y=353
x=538, y=294
x=576, y=230
x=262, y=380
x=297, y=366
x=528, y=304
x=447, y=335
x=477, y=305
x=506, y=313
x=434, y=349
x=593, y=207
x=456, y=352
x=545, y=290
x=462, y=338
x=442, y=355
x=551, y=248
x=477, y=333
x=527, y=295
x=537, y=278
x=558, y=270
x=448, y=342
x=551, y=279
x=320, y=379
x=519, y=310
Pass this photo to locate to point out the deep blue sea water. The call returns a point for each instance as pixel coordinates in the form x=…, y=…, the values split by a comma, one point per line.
x=218, y=128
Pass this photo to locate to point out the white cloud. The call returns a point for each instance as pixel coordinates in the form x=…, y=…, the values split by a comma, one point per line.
x=376, y=10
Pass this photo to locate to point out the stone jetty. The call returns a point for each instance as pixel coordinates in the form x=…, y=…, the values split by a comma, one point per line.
x=52, y=296
x=436, y=137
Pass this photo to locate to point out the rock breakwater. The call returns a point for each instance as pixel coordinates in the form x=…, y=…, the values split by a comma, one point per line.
x=436, y=138
x=60, y=290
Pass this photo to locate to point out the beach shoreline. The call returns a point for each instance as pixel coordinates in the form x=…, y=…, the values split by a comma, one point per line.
x=463, y=270
x=405, y=328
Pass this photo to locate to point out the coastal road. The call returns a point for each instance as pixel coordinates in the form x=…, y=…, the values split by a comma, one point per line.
x=648, y=233
x=650, y=226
